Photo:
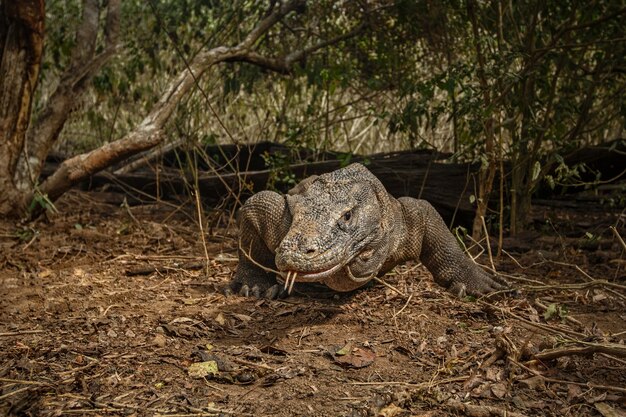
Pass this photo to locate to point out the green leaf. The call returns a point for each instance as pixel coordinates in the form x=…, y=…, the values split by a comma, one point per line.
x=550, y=312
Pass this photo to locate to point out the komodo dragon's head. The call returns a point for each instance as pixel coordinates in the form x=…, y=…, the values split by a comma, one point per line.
x=340, y=232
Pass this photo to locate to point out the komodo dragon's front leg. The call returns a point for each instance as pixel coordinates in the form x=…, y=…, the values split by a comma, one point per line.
x=428, y=239
x=263, y=223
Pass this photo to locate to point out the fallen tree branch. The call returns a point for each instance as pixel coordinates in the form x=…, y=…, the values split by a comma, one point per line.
x=618, y=236
x=588, y=348
x=564, y=382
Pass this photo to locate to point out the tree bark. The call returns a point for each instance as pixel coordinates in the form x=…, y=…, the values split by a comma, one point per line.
x=75, y=80
x=21, y=48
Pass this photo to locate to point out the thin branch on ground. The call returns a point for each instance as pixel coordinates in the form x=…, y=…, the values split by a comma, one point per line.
x=589, y=348
x=560, y=381
x=21, y=332
x=567, y=317
x=618, y=236
x=482, y=219
x=391, y=287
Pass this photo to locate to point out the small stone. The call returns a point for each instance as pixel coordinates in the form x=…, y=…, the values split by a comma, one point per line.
x=159, y=340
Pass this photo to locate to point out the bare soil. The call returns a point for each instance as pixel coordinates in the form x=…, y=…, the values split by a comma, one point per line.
x=109, y=310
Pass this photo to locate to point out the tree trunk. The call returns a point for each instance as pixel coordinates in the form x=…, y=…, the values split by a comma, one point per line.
x=487, y=173
x=21, y=47
x=84, y=64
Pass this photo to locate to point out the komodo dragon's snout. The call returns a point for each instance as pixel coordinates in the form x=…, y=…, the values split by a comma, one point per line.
x=343, y=229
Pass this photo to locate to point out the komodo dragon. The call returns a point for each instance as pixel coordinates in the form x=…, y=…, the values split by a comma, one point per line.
x=343, y=229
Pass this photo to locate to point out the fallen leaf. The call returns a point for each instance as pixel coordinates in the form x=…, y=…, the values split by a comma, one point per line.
x=493, y=374
x=356, y=358
x=220, y=319
x=244, y=318
x=344, y=350
x=599, y=297
x=499, y=390
x=534, y=382
x=45, y=273
x=472, y=382
x=608, y=411
x=202, y=369
x=573, y=392
x=390, y=411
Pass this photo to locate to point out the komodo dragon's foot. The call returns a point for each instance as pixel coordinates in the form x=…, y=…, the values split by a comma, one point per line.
x=255, y=285
x=478, y=283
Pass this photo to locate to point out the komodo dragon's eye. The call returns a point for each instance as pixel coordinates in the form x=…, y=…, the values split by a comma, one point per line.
x=347, y=216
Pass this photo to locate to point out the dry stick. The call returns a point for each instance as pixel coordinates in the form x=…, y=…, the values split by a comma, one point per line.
x=616, y=293
x=17, y=391
x=574, y=336
x=525, y=267
x=248, y=255
x=206, y=250
x=257, y=365
x=126, y=187
x=567, y=317
x=560, y=381
x=23, y=381
x=93, y=410
x=588, y=348
x=482, y=219
x=391, y=287
x=201, y=412
x=586, y=275
x=403, y=307
x=21, y=332
x=501, y=211
x=419, y=385
x=581, y=286
x=617, y=235
x=613, y=358
x=131, y=215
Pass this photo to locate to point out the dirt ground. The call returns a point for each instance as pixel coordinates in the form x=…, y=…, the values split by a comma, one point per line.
x=110, y=310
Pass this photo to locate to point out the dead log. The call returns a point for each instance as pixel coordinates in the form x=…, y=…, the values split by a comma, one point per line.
x=240, y=172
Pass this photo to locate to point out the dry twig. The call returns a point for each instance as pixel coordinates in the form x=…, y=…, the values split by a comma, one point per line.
x=587, y=349
x=21, y=332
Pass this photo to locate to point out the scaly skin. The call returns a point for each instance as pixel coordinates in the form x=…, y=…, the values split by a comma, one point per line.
x=343, y=229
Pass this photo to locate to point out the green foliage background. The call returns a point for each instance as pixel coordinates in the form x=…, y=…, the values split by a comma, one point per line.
x=555, y=78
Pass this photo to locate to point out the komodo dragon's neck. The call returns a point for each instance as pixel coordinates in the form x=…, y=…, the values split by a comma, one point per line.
x=405, y=236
